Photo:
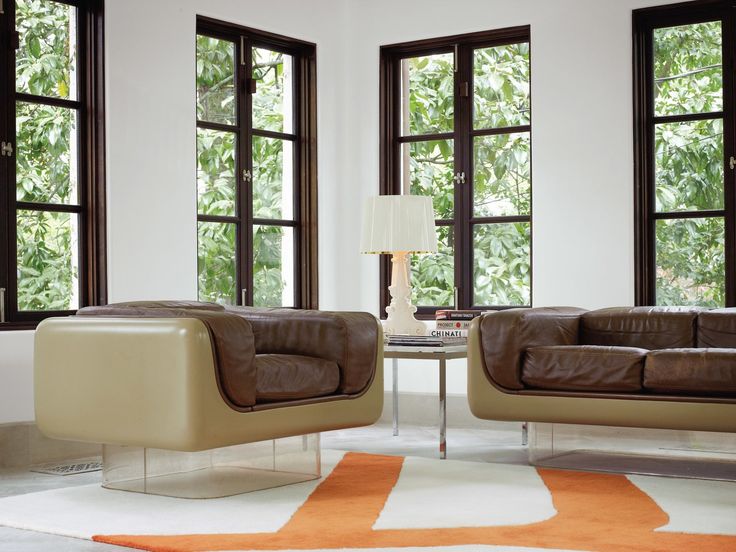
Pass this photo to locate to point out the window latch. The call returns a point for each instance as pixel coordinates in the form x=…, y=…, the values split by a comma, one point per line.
x=246, y=175
x=459, y=178
x=2, y=305
x=732, y=163
x=243, y=296
x=6, y=148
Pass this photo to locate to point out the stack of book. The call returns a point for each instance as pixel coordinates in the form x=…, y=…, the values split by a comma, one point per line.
x=453, y=323
x=423, y=340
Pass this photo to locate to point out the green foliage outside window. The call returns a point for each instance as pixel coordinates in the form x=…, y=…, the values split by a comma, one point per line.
x=46, y=163
x=502, y=181
x=690, y=253
x=216, y=179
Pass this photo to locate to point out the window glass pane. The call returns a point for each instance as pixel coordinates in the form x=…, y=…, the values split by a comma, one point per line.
x=427, y=169
x=46, y=61
x=501, y=86
x=216, y=260
x=273, y=178
x=47, y=154
x=433, y=276
x=427, y=94
x=48, y=261
x=273, y=101
x=215, y=172
x=688, y=72
x=689, y=165
x=215, y=80
x=502, y=179
x=273, y=266
x=691, y=262
x=501, y=264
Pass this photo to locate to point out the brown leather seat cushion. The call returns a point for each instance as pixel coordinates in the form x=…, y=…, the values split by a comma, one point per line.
x=717, y=328
x=584, y=368
x=290, y=377
x=691, y=371
x=644, y=327
x=349, y=339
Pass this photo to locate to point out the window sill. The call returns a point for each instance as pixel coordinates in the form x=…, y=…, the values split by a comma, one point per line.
x=18, y=326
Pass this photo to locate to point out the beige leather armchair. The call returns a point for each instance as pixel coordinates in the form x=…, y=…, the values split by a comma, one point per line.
x=191, y=376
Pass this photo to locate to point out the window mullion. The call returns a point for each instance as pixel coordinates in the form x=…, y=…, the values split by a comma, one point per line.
x=244, y=175
x=729, y=150
x=464, y=166
x=5, y=71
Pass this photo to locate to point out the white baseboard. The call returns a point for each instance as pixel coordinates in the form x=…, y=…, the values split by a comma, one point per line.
x=24, y=445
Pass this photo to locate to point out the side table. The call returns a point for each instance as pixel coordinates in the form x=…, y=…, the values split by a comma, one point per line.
x=440, y=354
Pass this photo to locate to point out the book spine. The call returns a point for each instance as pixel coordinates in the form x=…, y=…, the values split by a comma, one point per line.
x=449, y=333
x=456, y=315
x=453, y=324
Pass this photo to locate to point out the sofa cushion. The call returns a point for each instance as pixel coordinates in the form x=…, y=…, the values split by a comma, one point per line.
x=691, y=371
x=130, y=308
x=717, y=328
x=349, y=339
x=584, y=368
x=643, y=327
x=506, y=334
x=290, y=377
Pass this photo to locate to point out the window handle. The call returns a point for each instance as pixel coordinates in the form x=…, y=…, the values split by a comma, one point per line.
x=732, y=163
x=2, y=301
x=242, y=296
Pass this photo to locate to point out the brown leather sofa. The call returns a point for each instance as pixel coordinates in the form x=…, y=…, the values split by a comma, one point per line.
x=660, y=367
x=190, y=376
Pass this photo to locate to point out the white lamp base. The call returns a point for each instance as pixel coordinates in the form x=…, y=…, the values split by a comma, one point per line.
x=401, y=312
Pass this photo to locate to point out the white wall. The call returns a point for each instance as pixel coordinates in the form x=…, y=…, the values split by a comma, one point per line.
x=582, y=147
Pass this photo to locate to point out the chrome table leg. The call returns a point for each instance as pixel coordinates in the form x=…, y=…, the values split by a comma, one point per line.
x=395, y=365
x=443, y=408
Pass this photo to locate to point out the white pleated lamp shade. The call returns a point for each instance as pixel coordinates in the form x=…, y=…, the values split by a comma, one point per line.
x=398, y=223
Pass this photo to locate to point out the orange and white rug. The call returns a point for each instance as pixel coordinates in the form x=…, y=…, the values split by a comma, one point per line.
x=370, y=502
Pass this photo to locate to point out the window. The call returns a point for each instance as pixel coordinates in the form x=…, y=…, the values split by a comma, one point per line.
x=684, y=128
x=52, y=231
x=256, y=167
x=456, y=126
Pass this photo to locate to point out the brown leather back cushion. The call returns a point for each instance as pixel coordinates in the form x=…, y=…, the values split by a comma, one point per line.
x=292, y=377
x=584, y=368
x=128, y=306
x=231, y=336
x=717, y=328
x=691, y=371
x=643, y=327
x=346, y=338
x=505, y=335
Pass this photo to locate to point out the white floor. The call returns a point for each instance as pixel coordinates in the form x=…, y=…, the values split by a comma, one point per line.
x=497, y=443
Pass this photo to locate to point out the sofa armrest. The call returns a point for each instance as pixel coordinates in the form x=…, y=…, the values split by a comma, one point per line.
x=505, y=335
x=347, y=338
x=231, y=338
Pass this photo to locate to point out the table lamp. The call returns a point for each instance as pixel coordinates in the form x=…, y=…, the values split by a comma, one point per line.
x=399, y=225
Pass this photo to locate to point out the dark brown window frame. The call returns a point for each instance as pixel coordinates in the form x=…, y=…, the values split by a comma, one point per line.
x=644, y=22
x=304, y=137
x=91, y=135
x=463, y=133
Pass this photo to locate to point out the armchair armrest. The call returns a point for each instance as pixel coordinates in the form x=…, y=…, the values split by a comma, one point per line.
x=347, y=338
x=231, y=338
x=505, y=335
